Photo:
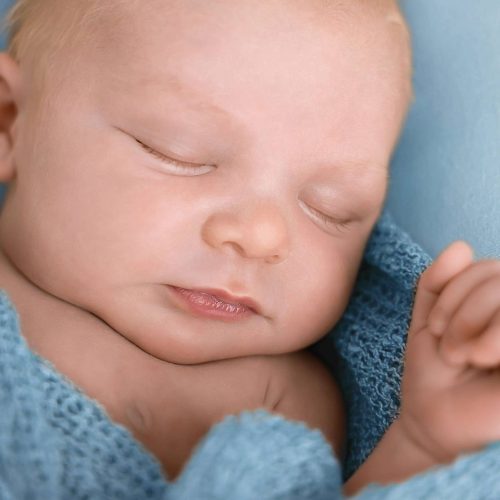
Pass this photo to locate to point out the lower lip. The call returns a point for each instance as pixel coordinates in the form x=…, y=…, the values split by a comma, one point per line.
x=207, y=305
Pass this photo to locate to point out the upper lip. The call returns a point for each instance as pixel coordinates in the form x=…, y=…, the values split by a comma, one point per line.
x=228, y=297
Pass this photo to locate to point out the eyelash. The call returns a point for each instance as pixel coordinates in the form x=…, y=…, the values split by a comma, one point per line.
x=180, y=167
x=329, y=221
x=338, y=224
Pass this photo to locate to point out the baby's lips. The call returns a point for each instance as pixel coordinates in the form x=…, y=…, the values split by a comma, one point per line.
x=225, y=297
x=230, y=298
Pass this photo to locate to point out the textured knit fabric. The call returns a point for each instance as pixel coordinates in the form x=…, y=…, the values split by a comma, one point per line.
x=365, y=349
x=58, y=444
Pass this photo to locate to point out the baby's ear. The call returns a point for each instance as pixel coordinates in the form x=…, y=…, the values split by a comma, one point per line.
x=10, y=87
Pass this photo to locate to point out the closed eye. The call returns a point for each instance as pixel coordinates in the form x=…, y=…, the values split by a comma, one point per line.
x=176, y=166
x=338, y=224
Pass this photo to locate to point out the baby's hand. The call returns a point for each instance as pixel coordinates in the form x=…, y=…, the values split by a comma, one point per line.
x=466, y=316
x=451, y=383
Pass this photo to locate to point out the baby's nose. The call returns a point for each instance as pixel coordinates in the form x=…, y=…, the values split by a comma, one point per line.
x=259, y=232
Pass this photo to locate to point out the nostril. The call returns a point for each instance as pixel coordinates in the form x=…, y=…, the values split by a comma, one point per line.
x=274, y=259
x=234, y=246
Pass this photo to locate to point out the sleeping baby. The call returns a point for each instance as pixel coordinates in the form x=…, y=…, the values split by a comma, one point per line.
x=191, y=187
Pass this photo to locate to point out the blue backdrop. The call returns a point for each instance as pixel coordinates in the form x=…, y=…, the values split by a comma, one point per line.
x=446, y=171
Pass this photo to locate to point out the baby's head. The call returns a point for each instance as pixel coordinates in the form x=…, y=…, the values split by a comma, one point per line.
x=233, y=145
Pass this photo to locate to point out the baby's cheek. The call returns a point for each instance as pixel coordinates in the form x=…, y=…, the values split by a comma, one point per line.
x=313, y=307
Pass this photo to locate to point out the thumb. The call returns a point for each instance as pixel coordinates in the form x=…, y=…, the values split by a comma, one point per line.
x=451, y=261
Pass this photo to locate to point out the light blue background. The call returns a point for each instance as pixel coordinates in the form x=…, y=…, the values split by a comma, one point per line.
x=446, y=171
x=445, y=178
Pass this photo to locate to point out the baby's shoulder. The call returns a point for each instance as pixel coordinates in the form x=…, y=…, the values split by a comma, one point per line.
x=304, y=389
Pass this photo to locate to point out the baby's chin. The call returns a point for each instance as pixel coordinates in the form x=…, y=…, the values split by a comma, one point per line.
x=171, y=335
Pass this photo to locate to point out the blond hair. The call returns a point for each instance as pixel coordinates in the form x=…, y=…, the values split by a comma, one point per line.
x=25, y=25
x=44, y=25
x=12, y=22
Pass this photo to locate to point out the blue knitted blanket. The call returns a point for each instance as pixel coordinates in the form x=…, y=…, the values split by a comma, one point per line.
x=57, y=444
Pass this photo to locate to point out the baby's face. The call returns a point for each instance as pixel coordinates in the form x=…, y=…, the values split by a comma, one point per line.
x=240, y=146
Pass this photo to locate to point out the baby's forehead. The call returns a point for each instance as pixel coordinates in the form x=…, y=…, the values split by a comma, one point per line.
x=132, y=38
x=131, y=26
x=61, y=23
x=329, y=15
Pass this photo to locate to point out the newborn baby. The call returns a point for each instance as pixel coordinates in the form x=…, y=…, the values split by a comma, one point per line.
x=191, y=189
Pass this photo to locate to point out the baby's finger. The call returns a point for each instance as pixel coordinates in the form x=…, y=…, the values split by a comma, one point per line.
x=473, y=316
x=484, y=351
x=453, y=260
x=457, y=290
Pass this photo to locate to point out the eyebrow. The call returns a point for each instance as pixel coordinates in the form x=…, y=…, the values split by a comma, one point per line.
x=167, y=82
x=349, y=174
